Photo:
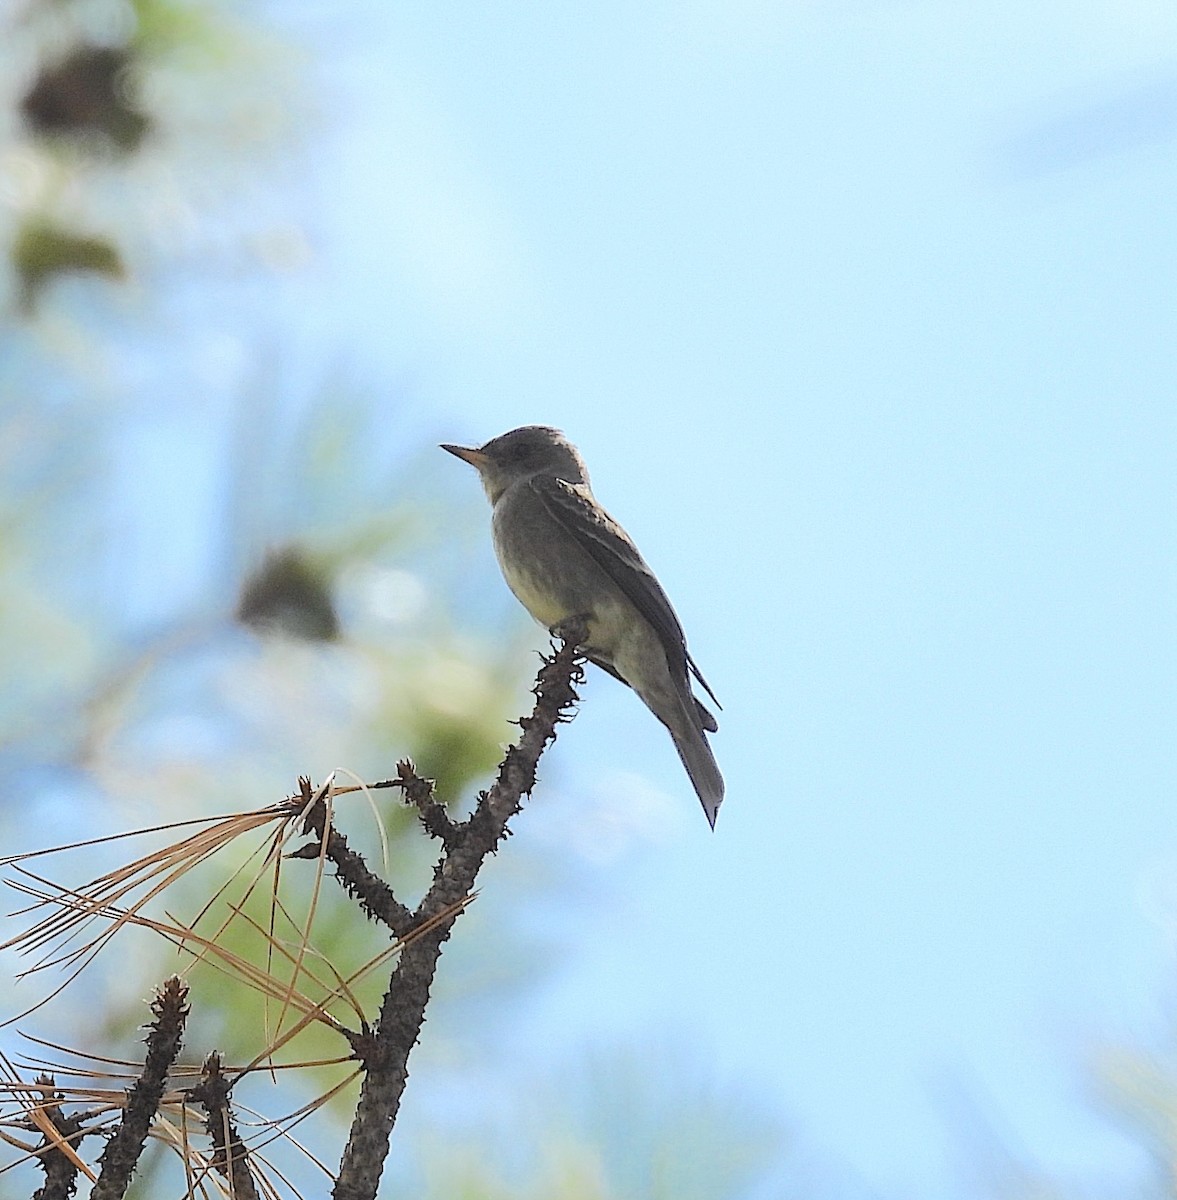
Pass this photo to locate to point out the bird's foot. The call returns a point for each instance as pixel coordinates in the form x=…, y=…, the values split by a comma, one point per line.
x=572, y=629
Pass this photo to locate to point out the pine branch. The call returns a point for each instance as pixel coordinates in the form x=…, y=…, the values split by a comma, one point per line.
x=385, y=1052
x=122, y=1152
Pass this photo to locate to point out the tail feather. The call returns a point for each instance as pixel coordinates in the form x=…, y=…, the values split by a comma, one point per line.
x=701, y=766
x=706, y=719
x=688, y=723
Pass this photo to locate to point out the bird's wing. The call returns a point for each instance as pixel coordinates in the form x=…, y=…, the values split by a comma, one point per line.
x=572, y=505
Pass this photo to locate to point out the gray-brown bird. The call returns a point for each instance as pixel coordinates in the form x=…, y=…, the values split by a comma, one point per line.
x=564, y=557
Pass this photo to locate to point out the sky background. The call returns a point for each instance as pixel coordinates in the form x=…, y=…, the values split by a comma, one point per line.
x=864, y=316
x=865, y=319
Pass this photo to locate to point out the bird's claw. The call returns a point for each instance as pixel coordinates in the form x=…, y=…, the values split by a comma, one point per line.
x=572, y=629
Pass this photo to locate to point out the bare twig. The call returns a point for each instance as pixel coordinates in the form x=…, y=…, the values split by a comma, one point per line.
x=57, y=1157
x=434, y=818
x=374, y=895
x=122, y=1152
x=230, y=1157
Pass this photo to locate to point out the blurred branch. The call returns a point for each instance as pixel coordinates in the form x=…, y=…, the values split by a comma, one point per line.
x=88, y=93
x=44, y=249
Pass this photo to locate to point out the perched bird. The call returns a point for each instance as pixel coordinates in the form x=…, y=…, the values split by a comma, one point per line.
x=564, y=557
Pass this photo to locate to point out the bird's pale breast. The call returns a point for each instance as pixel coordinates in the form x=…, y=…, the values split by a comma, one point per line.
x=552, y=576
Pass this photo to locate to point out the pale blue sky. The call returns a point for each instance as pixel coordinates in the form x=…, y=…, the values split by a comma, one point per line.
x=864, y=318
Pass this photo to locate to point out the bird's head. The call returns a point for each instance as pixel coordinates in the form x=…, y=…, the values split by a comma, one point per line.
x=520, y=454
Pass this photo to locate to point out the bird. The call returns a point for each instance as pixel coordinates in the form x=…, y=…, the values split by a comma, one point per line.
x=566, y=559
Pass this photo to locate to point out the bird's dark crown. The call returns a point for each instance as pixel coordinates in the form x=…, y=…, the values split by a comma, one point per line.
x=535, y=450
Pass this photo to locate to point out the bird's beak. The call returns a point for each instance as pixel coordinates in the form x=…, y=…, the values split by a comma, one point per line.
x=474, y=457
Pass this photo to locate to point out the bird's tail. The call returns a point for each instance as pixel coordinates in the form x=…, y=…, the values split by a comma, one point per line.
x=692, y=747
